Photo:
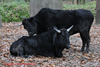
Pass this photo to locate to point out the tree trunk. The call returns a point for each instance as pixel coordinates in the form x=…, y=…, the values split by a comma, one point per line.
x=36, y=5
x=88, y=1
x=97, y=11
x=0, y=22
x=81, y=1
x=74, y=1
x=27, y=0
x=78, y=1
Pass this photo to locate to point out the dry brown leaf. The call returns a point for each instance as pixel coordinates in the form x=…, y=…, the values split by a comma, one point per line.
x=9, y=33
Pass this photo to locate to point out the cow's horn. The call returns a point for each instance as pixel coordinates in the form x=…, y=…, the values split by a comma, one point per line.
x=57, y=30
x=19, y=25
x=34, y=34
x=69, y=28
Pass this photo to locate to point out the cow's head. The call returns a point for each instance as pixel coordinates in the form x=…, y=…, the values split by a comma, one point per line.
x=62, y=37
x=30, y=26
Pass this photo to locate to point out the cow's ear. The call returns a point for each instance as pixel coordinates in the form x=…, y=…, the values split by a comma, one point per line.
x=24, y=21
x=31, y=18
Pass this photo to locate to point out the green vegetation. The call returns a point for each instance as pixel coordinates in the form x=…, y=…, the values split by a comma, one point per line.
x=89, y=6
x=12, y=11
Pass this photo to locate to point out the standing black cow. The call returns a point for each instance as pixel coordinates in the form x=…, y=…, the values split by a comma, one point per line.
x=47, y=18
x=50, y=43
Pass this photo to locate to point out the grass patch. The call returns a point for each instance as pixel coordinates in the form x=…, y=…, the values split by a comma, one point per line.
x=89, y=6
x=12, y=11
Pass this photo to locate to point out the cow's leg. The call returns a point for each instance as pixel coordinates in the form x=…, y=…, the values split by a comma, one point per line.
x=83, y=41
x=22, y=55
x=59, y=52
x=86, y=40
x=49, y=54
x=84, y=33
x=83, y=46
x=88, y=43
x=21, y=52
x=87, y=47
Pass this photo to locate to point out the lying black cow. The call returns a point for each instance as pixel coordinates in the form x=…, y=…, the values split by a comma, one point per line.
x=47, y=18
x=50, y=43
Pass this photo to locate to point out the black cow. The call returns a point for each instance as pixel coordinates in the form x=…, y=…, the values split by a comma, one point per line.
x=47, y=18
x=50, y=43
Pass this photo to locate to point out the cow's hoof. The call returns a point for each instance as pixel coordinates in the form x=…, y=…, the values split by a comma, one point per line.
x=86, y=51
x=82, y=50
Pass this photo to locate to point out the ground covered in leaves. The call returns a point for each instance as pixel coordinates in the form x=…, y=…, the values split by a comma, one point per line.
x=71, y=57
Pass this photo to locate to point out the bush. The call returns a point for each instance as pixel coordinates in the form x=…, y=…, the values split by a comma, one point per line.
x=89, y=6
x=13, y=11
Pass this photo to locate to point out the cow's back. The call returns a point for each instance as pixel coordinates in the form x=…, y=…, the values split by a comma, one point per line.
x=84, y=15
x=47, y=18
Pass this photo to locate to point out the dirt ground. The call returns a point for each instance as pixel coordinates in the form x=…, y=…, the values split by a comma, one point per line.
x=71, y=57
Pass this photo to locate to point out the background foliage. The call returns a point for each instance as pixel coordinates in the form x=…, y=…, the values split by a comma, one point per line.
x=89, y=6
x=11, y=11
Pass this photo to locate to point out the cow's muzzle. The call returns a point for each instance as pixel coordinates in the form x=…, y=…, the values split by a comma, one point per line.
x=68, y=46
